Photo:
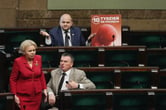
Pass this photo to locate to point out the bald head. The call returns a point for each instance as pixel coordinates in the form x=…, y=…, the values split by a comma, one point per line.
x=65, y=16
x=66, y=21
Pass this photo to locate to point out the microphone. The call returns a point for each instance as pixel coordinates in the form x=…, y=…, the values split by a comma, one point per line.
x=126, y=63
x=113, y=36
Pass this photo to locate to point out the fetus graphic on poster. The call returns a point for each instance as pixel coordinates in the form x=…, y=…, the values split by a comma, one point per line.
x=107, y=30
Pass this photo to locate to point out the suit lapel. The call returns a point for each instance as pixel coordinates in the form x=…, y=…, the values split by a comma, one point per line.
x=60, y=37
x=24, y=61
x=71, y=76
x=56, y=80
x=35, y=63
x=72, y=34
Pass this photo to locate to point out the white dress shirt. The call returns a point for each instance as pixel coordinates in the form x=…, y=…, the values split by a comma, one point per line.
x=66, y=79
x=48, y=39
x=64, y=35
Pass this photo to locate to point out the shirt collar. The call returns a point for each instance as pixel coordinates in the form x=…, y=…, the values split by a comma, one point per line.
x=67, y=72
x=64, y=31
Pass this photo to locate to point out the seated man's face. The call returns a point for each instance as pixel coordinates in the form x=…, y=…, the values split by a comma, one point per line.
x=66, y=22
x=65, y=63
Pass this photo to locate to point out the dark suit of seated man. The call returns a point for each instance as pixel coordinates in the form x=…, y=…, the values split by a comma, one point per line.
x=73, y=79
x=56, y=36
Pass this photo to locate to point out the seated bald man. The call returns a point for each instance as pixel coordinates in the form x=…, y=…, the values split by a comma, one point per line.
x=57, y=35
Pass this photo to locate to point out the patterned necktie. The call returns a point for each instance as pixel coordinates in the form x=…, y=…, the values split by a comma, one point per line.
x=61, y=82
x=66, y=38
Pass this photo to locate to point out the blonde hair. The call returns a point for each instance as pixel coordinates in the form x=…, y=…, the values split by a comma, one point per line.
x=25, y=44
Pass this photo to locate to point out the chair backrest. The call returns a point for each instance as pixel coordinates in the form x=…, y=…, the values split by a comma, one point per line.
x=160, y=101
x=15, y=36
x=102, y=79
x=132, y=101
x=136, y=79
x=151, y=39
x=156, y=57
x=84, y=101
x=124, y=56
x=49, y=58
x=4, y=77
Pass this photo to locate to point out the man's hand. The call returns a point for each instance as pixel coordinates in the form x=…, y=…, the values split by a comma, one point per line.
x=91, y=36
x=51, y=99
x=72, y=85
x=44, y=33
x=45, y=93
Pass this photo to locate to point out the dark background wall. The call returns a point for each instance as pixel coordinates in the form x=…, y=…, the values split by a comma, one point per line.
x=34, y=14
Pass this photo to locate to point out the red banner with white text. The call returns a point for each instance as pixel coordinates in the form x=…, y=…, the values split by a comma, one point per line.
x=107, y=30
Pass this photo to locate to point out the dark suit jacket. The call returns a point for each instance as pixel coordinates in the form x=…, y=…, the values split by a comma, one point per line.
x=76, y=75
x=26, y=80
x=76, y=36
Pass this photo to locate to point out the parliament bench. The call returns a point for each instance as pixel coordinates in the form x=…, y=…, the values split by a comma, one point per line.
x=161, y=79
x=119, y=77
x=113, y=99
x=7, y=101
x=93, y=56
x=12, y=37
x=104, y=56
x=156, y=57
x=151, y=39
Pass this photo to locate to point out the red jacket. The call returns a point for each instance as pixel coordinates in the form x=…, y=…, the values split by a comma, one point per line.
x=26, y=80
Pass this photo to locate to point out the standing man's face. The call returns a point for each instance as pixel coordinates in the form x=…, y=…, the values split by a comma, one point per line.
x=66, y=22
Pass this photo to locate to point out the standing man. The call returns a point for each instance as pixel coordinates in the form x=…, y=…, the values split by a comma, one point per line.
x=73, y=79
x=65, y=34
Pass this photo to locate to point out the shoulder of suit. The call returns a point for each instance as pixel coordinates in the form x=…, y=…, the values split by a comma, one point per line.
x=55, y=28
x=55, y=71
x=77, y=70
x=75, y=28
x=38, y=56
x=21, y=58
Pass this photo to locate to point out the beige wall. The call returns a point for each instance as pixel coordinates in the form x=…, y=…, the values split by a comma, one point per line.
x=34, y=14
x=8, y=13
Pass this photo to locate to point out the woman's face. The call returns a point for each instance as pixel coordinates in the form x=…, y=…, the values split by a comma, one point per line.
x=30, y=52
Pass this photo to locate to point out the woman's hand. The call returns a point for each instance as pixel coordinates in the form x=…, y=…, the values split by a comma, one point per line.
x=17, y=100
